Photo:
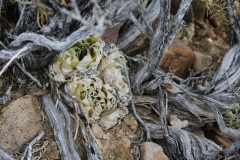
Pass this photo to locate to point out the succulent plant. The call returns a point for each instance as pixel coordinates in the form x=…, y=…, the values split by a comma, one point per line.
x=185, y=33
x=94, y=75
x=94, y=96
x=232, y=117
x=112, y=72
x=83, y=55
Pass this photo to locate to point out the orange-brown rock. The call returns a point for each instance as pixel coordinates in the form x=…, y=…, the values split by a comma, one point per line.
x=152, y=151
x=178, y=56
x=20, y=123
x=116, y=142
x=201, y=61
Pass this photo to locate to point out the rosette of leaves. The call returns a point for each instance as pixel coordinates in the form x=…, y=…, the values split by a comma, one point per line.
x=93, y=96
x=185, y=33
x=232, y=117
x=82, y=56
x=111, y=71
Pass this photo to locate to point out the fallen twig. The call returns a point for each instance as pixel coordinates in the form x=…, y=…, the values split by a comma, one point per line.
x=69, y=132
x=57, y=125
x=29, y=148
x=5, y=98
x=12, y=59
x=29, y=75
x=5, y=156
x=133, y=106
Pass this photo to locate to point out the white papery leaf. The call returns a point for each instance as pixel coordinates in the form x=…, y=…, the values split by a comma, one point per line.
x=112, y=118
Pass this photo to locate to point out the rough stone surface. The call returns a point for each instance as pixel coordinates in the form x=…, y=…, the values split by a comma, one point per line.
x=217, y=49
x=110, y=35
x=178, y=56
x=116, y=142
x=131, y=122
x=152, y=151
x=20, y=123
x=52, y=151
x=201, y=61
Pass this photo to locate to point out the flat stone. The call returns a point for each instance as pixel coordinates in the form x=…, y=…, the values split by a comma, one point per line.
x=177, y=123
x=114, y=143
x=110, y=35
x=178, y=56
x=201, y=61
x=152, y=151
x=20, y=123
x=217, y=49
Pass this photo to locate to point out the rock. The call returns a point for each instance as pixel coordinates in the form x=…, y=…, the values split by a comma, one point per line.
x=152, y=151
x=219, y=139
x=97, y=131
x=110, y=35
x=51, y=151
x=216, y=49
x=199, y=132
x=20, y=123
x=178, y=56
x=131, y=122
x=201, y=61
x=113, y=144
x=177, y=123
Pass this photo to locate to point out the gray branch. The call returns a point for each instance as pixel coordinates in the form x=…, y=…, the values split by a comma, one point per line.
x=161, y=41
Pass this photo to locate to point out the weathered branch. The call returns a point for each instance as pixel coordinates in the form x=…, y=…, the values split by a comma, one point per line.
x=56, y=123
x=29, y=148
x=230, y=65
x=131, y=35
x=162, y=39
x=12, y=59
x=72, y=148
x=29, y=75
x=90, y=144
x=233, y=20
x=41, y=40
x=5, y=156
x=133, y=106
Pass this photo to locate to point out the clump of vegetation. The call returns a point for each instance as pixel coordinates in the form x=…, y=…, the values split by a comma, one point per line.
x=233, y=117
x=94, y=75
x=185, y=33
x=43, y=11
x=217, y=9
